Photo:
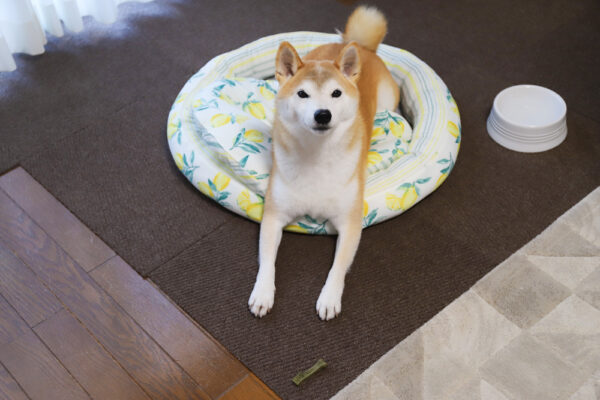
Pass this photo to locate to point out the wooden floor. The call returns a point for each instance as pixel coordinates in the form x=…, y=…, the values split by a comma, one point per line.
x=77, y=322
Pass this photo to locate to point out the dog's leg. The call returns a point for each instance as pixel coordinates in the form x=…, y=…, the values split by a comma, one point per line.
x=329, y=304
x=263, y=294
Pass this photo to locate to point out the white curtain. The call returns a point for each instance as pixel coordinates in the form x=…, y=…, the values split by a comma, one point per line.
x=23, y=22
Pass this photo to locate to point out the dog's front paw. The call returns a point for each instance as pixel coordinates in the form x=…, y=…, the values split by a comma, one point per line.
x=261, y=300
x=329, y=304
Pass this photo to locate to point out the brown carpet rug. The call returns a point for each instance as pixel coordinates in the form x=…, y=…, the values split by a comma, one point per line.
x=88, y=119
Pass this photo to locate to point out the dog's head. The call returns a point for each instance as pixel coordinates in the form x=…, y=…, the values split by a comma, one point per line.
x=317, y=95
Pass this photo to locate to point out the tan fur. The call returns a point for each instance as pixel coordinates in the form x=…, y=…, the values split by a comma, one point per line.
x=373, y=71
x=358, y=72
x=366, y=26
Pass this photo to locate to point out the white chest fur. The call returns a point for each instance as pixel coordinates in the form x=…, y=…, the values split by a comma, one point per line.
x=318, y=179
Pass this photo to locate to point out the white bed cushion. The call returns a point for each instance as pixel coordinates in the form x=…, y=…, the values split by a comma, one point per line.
x=218, y=132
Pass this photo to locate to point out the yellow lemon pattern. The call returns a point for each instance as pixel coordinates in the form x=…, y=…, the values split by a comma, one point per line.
x=454, y=107
x=254, y=136
x=440, y=180
x=454, y=130
x=249, y=141
x=239, y=119
x=243, y=200
x=198, y=103
x=409, y=198
x=179, y=161
x=253, y=210
x=218, y=120
x=221, y=181
x=392, y=202
x=409, y=194
x=378, y=131
x=397, y=128
x=373, y=158
x=255, y=108
x=268, y=95
x=215, y=188
x=390, y=139
x=296, y=228
x=227, y=99
x=403, y=202
x=267, y=91
x=181, y=97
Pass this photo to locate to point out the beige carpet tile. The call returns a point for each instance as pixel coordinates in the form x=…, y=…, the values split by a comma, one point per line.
x=589, y=289
x=572, y=329
x=489, y=392
x=458, y=340
x=469, y=330
x=559, y=239
x=526, y=369
x=570, y=271
x=401, y=369
x=366, y=386
x=586, y=392
x=528, y=330
x=470, y=390
x=520, y=291
x=590, y=389
x=585, y=219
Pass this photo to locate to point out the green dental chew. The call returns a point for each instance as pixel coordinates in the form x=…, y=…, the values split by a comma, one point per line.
x=298, y=379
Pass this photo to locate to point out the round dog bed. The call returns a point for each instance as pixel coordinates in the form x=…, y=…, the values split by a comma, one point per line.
x=219, y=132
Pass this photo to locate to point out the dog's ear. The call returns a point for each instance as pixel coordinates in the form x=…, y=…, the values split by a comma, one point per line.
x=348, y=61
x=287, y=62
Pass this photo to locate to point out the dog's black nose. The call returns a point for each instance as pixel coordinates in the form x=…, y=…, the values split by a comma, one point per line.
x=322, y=116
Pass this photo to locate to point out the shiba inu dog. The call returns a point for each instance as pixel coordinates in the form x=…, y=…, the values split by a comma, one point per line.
x=321, y=133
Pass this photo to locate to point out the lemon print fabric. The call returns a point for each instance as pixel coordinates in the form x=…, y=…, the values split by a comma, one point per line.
x=390, y=140
x=219, y=132
x=215, y=188
x=239, y=113
x=407, y=197
x=252, y=207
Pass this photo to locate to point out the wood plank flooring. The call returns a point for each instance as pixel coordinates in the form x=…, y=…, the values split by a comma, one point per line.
x=77, y=322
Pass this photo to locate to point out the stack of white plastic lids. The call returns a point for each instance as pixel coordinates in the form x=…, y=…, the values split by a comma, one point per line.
x=528, y=118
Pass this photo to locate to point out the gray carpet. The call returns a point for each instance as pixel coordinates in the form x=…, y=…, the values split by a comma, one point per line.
x=87, y=119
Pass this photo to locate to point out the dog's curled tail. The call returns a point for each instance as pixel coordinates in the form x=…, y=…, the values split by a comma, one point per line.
x=367, y=26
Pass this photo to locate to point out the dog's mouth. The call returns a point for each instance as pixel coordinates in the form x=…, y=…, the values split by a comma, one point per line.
x=321, y=128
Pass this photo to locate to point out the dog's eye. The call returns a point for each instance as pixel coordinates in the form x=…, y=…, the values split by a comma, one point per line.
x=336, y=93
x=302, y=94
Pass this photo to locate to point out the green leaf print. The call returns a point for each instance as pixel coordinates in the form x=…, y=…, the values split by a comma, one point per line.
x=212, y=186
x=313, y=226
x=369, y=218
x=243, y=162
x=249, y=146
